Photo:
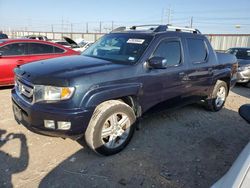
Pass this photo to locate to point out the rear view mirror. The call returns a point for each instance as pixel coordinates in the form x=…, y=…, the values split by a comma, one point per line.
x=157, y=62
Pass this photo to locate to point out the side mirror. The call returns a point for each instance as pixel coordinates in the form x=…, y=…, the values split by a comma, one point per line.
x=157, y=62
x=1, y=54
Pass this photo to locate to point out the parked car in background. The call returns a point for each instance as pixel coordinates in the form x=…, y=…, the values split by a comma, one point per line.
x=16, y=52
x=85, y=44
x=3, y=35
x=70, y=43
x=62, y=42
x=100, y=94
x=37, y=37
x=243, y=56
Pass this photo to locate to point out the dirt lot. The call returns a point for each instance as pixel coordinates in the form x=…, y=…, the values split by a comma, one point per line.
x=188, y=147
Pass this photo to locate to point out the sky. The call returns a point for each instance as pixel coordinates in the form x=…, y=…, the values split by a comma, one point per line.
x=209, y=16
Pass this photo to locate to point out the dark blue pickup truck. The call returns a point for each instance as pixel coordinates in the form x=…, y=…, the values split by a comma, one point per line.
x=100, y=94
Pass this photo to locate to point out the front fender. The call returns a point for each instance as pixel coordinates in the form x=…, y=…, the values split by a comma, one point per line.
x=99, y=94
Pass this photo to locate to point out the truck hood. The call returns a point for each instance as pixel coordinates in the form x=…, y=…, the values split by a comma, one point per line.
x=53, y=71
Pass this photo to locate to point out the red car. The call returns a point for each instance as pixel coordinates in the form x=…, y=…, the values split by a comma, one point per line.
x=16, y=52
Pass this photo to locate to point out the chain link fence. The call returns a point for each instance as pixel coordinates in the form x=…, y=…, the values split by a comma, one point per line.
x=219, y=41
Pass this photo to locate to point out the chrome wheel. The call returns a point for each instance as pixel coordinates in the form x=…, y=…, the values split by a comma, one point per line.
x=221, y=96
x=115, y=130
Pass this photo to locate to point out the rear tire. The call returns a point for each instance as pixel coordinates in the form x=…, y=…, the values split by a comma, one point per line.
x=111, y=127
x=219, y=96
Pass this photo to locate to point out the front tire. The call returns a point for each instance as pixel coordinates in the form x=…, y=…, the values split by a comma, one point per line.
x=219, y=96
x=111, y=127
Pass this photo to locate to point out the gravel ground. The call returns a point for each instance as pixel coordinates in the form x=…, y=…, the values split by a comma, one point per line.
x=187, y=147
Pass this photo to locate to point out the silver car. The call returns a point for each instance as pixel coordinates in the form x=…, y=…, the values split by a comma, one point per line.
x=243, y=56
x=238, y=175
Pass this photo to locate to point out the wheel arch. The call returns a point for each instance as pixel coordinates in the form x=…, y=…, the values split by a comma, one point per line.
x=128, y=93
x=227, y=80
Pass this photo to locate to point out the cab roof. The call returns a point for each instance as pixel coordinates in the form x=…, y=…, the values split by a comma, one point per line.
x=154, y=29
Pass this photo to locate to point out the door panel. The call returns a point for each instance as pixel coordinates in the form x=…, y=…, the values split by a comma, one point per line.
x=164, y=84
x=7, y=66
x=200, y=67
x=13, y=55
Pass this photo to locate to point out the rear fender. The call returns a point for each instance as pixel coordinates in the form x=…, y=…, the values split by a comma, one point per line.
x=223, y=75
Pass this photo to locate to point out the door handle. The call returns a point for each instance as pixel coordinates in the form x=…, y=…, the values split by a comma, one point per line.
x=182, y=74
x=210, y=71
x=19, y=62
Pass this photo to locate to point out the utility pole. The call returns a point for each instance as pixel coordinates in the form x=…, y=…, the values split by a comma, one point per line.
x=52, y=29
x=71, y=28
x=87, y=27
x=62, y=24
x=191, y=22
x=100, y=27
x=169, y=15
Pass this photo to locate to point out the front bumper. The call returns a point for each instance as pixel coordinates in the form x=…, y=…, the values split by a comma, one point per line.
x=243, y=76
x=32, y=116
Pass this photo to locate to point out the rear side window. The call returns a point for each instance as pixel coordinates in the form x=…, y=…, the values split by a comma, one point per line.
x=36, y=48
x=13, y=49
x=58, y=50
x=170, y=50
x=197, y=50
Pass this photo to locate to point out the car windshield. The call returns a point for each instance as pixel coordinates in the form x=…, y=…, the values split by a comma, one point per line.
x=124, y=48
x=240, y=53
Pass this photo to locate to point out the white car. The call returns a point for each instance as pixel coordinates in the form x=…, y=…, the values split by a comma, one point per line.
x=37, y=37
x=85, y=44
x=238, y=175
x=80, y=47
x=62, y=42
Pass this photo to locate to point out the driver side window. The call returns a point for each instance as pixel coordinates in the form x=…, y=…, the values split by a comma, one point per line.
x=170, y=50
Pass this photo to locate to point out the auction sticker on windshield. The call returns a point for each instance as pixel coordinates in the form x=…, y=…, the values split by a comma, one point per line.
x=135, y=41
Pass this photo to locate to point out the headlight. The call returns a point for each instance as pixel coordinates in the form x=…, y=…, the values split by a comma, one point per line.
x=51, y=93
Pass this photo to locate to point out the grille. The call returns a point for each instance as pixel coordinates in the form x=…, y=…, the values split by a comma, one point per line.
x=25, y=90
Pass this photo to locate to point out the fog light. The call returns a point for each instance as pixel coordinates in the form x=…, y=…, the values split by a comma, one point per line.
x=64, y=125
x=49, y=124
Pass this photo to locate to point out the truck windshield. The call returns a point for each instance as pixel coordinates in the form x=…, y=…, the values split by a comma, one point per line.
x=124, y=48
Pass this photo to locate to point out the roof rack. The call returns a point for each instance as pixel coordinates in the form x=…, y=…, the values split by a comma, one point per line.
x=158, y=28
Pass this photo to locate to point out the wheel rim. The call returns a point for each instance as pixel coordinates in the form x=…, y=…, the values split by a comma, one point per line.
x=115, y=130
x=221, y=96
